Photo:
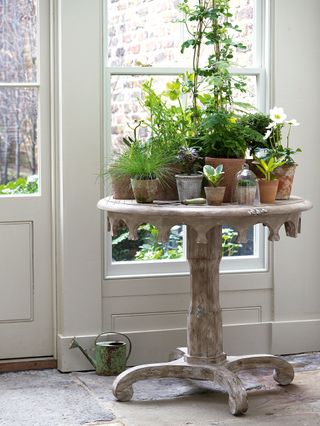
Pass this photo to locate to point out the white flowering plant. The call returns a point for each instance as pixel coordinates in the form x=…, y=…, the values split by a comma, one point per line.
x=278, y=143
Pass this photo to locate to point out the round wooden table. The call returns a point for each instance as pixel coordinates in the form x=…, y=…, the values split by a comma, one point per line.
x=204, y=358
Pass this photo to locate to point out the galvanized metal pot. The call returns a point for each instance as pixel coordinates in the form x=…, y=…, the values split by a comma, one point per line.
x=189, y=186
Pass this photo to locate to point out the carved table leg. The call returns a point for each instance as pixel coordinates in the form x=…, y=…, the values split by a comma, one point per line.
x=283, y=371
x=204, y=319
x=123, y=391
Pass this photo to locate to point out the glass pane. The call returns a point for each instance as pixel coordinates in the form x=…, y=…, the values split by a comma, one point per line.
x=18, y=41
x=147, y=247
x=143, y=33
x=243, y=15
x=18, y=137
x=126, y=110
x=250, y=95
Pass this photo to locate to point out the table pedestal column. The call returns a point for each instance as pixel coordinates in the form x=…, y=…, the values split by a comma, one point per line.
x=204, y=358
x=204, y=319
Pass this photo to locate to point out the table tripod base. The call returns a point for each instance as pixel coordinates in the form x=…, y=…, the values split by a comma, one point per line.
x=223, y=374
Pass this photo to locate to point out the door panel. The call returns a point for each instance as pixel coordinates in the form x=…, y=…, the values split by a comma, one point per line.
x=26, y=312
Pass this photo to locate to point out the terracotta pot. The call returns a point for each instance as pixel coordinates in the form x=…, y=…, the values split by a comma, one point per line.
x=285, y=174
x=214, y=195
x=231, y=166
x=268, y=190
x=121, y=189
x=144, y=190
x=189, y=186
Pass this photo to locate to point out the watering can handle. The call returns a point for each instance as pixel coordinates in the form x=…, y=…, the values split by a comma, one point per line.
x=105, y=333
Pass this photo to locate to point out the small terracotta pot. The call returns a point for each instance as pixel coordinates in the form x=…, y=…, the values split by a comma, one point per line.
x=231, y=166
x=268, y=190
x=145, y=190
x=285, y=174
x=121, y=189
x=214, y=195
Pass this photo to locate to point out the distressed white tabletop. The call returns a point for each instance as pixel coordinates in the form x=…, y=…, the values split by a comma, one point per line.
x=202, y=218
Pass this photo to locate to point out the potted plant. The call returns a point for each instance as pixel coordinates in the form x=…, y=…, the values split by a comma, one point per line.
x=214, y=192
x=220, y=135
x=278, y=149
x=246, y=186
x=190, y=180
x=268, y=185
x=147, y=166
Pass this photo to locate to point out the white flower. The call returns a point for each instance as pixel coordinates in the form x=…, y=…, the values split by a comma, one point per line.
x=272, y=125
x=268, y=133
x=277, y=115
x=293, y=122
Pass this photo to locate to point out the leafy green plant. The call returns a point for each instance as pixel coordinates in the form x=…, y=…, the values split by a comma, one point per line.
x=258, y=122
x=209, y=23
x=27, y=185
x=224, y=136
x=213, y=175
x=269, y=166
x=142, y=160
x=229, y=246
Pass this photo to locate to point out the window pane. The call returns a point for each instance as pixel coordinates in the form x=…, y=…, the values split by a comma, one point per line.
x=143, y=33
x=18, y=41
x=147, y=247
x=250, y=95
x=18, y=134
x=243, y=15
x=126, y=90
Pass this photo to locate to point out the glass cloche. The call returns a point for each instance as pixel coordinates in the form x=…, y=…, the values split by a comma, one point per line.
x=246, y=191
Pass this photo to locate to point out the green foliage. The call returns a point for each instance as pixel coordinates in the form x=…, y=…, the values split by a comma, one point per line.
x=269, y=166
x=147, y=247
x=229, y=246
x=20, y=186
x=213, y=175
x=284, y=152
x=245, y=183
x=170, y=123
x=224, y=136
x=209, y=23
x=143, y=160
x=259, y=123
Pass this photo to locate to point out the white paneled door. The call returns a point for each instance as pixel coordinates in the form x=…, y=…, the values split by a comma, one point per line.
x=26, y=295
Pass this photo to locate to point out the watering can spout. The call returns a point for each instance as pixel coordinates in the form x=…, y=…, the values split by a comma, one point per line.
x=75, y=344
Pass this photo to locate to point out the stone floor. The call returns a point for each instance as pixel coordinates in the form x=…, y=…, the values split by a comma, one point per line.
x=49, y=398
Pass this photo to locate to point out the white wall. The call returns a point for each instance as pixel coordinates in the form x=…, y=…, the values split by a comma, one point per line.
x=78, y=165
x=297, y=89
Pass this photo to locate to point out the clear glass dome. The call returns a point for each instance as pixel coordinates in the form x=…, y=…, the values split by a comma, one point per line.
x=246, y=191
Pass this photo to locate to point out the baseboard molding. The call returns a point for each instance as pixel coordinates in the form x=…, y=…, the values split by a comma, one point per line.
x=22, y=365
x=290, y=337
x=277, y=338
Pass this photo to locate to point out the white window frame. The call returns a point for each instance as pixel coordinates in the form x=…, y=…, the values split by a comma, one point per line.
x=43, y=99
x=258, y=262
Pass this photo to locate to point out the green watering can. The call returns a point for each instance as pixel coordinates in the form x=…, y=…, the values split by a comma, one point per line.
x=111, y=355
